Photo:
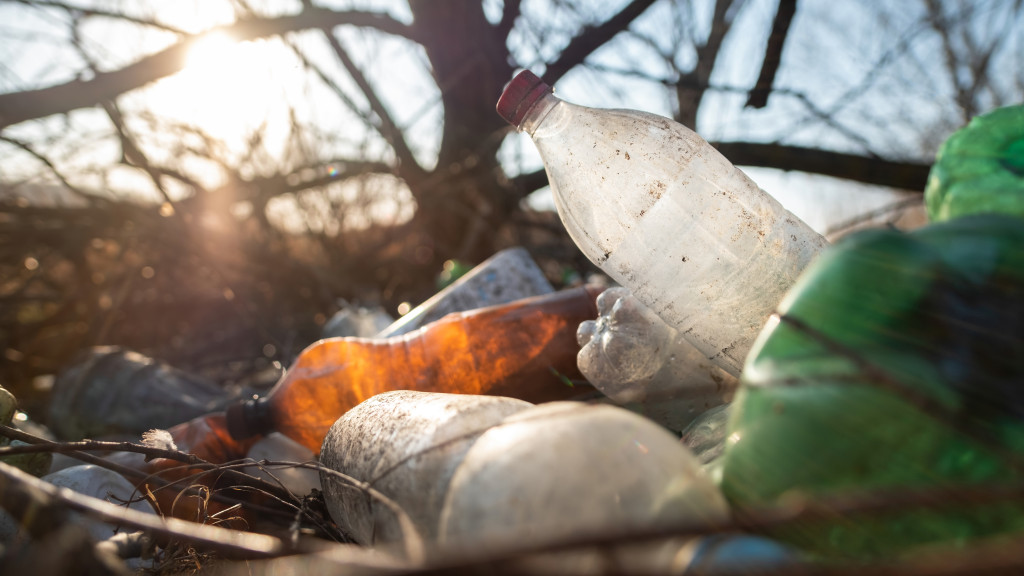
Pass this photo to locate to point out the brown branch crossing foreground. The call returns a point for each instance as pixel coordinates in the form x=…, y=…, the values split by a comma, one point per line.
x=20, y=492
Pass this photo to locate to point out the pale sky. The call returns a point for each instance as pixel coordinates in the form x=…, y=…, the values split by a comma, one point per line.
x=231, y=89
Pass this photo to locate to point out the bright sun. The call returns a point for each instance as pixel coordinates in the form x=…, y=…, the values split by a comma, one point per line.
x=228, y=88
x=210, y=53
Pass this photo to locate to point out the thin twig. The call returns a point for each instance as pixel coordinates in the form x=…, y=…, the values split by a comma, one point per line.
x=413, y=542
x=77, y=450
x=892, y=208
x=49, y=165
x=21, y=491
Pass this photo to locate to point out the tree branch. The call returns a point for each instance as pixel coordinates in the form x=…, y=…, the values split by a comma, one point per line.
x=530, y=182
x=50, y=165
x=772, y=54
x=324, y=173
x=18, y=107
x=99, y=12
x=942, y=26
x=988, y=557
x=893, y=210
x=80, y=451
x=692, y=85
x=131, y=154
x=591, y=39
x=387, y=128
x=509, y=14
x=903, y=175
x=24, y=494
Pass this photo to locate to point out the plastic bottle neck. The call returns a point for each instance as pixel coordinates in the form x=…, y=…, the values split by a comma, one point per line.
x=536, y=115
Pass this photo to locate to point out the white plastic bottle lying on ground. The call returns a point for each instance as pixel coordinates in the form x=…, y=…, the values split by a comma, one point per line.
x=666, y=215
x=565, y=469
x=638, y=361
x=487, y=471
x=406, y=445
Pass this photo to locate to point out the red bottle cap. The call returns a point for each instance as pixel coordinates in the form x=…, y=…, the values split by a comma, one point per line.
x=520, y=95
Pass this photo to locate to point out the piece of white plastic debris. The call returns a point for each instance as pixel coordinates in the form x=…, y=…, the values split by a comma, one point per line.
x=160, y=439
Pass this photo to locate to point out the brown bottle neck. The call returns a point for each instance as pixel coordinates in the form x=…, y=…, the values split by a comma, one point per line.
x=249, y=418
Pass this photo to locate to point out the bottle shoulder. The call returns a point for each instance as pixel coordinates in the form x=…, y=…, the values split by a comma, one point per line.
x=610, y=125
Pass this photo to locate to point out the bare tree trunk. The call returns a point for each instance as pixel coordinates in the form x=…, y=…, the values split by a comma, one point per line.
x=459, y=202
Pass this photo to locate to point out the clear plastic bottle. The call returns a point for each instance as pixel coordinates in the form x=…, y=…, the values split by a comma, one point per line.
x=638, y=361
x=111, y=391
x=666, y=215
x=706, y=436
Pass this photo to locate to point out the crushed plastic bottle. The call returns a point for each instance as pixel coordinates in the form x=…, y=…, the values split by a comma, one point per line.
x=666, y=215
x=406, y=445
x=103, y=484
x=112, y=391
x=562, y=468
x=276, y=447
x=524, y=349
x=356, y=321
x=508, y=275
x=638, y=361
x=706, y=437
x=93, y=481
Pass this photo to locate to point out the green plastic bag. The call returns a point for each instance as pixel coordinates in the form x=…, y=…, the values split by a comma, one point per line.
x=980, y=168
x=896, y=362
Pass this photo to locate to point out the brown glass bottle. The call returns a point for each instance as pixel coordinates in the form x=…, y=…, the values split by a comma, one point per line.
x=207, y=438
x=524, y=349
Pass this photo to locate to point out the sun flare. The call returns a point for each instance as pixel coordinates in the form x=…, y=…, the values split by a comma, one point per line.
x=228, y=88
x=210, y=55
